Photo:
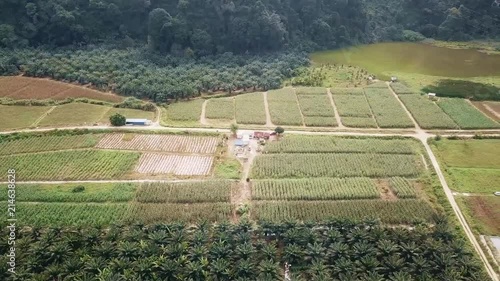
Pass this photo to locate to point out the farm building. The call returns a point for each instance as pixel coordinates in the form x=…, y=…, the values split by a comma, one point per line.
x=138, y=122
x=262, y=135
x=394, y=79
x=431, y=95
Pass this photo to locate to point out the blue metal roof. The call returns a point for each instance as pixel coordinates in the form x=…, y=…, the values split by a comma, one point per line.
x=239, y=143
x=132, y=120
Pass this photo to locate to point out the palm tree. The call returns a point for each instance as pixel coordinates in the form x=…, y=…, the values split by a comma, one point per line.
x=221, y=269
x=268, y=270
x=245, y=268
x=245, y=250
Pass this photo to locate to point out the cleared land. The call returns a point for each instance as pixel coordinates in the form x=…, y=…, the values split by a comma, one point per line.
x=283, y=107
x=465, y=115
x=70, y=165
x=18, y=117
x=33, y=88
x=163, y=143
x=48, y=143
x=74, y=114
x=315, y=189
x=427, y=114
x=220, y=108
x=485, y=213
x=490, y=108
x=180, y=165
x=393, y=212
x=386, y=108
x=317, y=110
x=250, y=109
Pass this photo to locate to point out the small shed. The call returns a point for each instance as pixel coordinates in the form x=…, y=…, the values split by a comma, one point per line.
x=261, y=135
x=239, y=143
x=138, y=122
x=394, y=79
x=431, y=95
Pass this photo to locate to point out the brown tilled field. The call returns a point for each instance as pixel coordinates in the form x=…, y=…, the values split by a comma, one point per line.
x=486, y=212
x=179, y=165
x=490, y=108
x=17, y=87
x=164, y=143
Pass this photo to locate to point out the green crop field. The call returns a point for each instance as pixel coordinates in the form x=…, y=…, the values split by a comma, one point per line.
x=189, y=192
x=73, y=114
x=128, y=113
x=70, y=165
x=183, y=111
x=352, y=105
x=65, y=214
x=465, y=114
x=250, y=109
x=325, y=144
x=469, y=153
x=386, y=109
x=47, y=143
x=317, y=110
x=359, y=122
x=427, y=114
x=171, y=212
x=347, y=91
x=335, y=165
x=19, y=117
x=393, y=212
x=402, y=187
x=401, y=89
x=310, y=91
x=220, y=108
x=315, y=189
x=474, y=180
x=92, y=192
x=283, y=107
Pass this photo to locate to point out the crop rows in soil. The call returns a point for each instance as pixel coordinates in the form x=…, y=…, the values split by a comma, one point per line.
x=180, y=165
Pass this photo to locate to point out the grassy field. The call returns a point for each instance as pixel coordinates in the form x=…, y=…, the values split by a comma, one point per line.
x=182, y=112
x=191, y=192
x=475, y=180
x=469, y=153
x=70, y=165
x=18, y=117
x=250, y=109
x=283, y=107
x=220, y=108
x=48, y=143
x=465, y=114
x=74, y=114
x=329, y=75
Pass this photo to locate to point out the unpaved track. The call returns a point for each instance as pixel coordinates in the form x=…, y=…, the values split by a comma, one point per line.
x=269, y=123
x=203, y=119
x=337, y=115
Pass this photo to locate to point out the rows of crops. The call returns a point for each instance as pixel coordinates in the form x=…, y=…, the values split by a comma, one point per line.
x=310, y=91
x=386, y=109
x=335, y=165
x=184, y=111
x=347, y=91
x=392, y=212
x=180, y=165
x=220, y=108
x=324, y=144
x=70, y=165
x=465, y=114
x=403, y=188
x=359, y=122
x=401, y=89
x=65, y=214
x=73, y=114
x=250, y=109
x=427, y=114
x=315, y=189
x=164, y=143
x=47, y=143
x=317, y=110
x=283, y=107
x=350, y=105
x=23, y=118
x=184, y=192
x=171, y=212
x=71, y=192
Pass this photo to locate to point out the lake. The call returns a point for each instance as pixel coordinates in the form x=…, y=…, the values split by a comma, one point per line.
x=413, y=58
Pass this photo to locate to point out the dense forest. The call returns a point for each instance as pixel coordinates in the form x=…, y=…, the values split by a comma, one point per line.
x=333, y=250
x=216, y=26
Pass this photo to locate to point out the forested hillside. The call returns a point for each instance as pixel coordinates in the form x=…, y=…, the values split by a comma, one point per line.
x=202, y=27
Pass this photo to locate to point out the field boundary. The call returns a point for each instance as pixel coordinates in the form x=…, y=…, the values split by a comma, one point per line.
x=337, y=115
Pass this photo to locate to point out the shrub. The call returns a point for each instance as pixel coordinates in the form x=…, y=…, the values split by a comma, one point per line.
x=117, y=119
x=77, y=189
x=412, y=36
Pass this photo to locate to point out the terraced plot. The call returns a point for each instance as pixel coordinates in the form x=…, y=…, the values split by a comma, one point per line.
x=250, y=109
x=427, y=114
x=283, y=107
x=164, y=143
x=466, y=115
x=179, y=165
x=220, y=108
x=386, y=109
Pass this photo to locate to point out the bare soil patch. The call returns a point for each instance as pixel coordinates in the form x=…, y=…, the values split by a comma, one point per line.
x=386, y=192
x=182, y=165
x=486, y=210
x=490, y=108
